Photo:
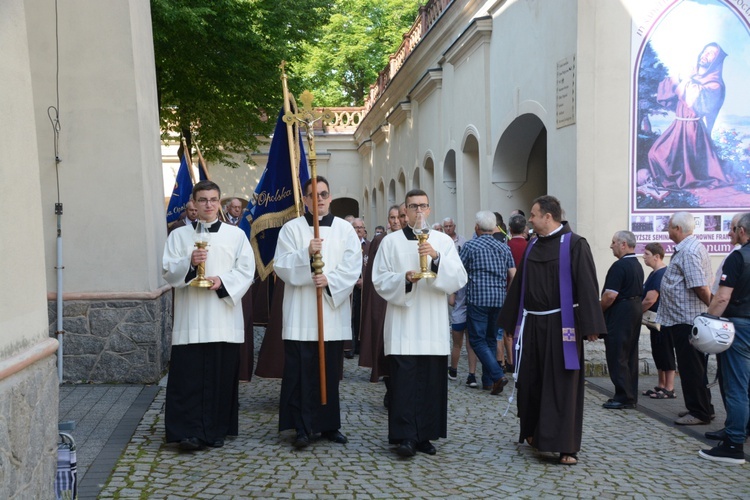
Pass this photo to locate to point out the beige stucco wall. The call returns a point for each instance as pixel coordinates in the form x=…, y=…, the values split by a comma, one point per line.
x=110, y=177
x=28, y=380
x=23, y=307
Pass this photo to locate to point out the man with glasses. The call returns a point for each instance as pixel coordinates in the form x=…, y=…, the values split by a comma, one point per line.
x=202, y=390
x=234, y=211
x=300, y=408
x=416, y=334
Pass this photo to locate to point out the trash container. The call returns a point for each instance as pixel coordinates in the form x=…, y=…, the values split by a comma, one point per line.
x=66, y=480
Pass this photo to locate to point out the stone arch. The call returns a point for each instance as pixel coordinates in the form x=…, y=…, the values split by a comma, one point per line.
x=416, y=179
x=401, y=186
x=519, y=166
x=469, y=197
x=449, y=201
x=341, y=207
x=428, y=175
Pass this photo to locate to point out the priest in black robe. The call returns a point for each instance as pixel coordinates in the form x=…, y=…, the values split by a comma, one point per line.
x=550, y=396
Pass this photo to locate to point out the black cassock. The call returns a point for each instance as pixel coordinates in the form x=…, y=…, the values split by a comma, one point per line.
x=550, y=398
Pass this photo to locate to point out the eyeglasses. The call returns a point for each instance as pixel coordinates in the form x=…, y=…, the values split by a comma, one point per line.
x=323, y=195
x=358, y=227
x=206, y=201
x=415, y=206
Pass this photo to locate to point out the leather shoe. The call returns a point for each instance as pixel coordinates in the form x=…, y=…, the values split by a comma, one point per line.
x=497, y=387
x=616, y=405
x=217, y=444
x=335, y=437
x=302, y=440
x=426, y=447
x=191, y=444
x=690, y=420
x=407, y=448
x=348, y=354
x=720, y=435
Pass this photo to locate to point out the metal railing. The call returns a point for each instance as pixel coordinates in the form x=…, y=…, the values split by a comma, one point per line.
x=428, y=15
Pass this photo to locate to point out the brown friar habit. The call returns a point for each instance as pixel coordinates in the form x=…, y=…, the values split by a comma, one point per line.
x=372, y=320
x=550, y=398
x=271, y=354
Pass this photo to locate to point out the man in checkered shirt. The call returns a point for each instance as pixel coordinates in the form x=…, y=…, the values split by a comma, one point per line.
x=685, y=293
x=489, y=265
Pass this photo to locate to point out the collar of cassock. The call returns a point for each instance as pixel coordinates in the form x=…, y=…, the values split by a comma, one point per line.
x=326, y=220
x=409, y=233
x=213, y=227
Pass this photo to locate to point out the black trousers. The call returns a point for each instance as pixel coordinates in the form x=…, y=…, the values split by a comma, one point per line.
x=418, y=407
x=621, y=344
x=691, y=364
x=203, y=392
x=300, y=406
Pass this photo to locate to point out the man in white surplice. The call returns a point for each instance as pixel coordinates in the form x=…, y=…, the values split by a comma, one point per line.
x=300, y=407
x=417, y=329
x=202, y=389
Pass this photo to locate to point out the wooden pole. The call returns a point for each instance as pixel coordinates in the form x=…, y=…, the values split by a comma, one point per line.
x=309, y=116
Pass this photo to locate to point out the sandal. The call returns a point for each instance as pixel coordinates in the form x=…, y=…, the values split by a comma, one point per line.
x=568, y=458
x=530, y=441
x=663, y=394
x=656, y=390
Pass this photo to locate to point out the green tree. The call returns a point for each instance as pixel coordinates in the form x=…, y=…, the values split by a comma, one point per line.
x=345, y=60
x=217, y=66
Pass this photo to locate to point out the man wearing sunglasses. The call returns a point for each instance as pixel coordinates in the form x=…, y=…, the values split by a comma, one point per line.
x=300, y=407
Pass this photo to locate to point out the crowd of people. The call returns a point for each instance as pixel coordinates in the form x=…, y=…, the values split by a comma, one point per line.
x=522, y=298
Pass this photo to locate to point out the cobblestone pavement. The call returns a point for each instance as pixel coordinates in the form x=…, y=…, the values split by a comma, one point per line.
x=625, y=454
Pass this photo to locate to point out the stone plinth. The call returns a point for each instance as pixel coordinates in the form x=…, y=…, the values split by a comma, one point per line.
x=28, y=431
x=115, y=341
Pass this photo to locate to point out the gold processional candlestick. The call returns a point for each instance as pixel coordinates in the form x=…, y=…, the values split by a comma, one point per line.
x=422, y=232
x=308, y=116
x=202, y=237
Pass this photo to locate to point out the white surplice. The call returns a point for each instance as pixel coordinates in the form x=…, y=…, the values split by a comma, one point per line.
x=416, y=322
x=342, y=258
x=200, y=316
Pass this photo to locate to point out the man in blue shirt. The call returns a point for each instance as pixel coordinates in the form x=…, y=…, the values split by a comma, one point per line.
x=489, y=265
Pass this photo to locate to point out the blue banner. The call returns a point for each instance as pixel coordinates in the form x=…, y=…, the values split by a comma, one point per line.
x=202, y=175
x=183, y=187
x=273, y=201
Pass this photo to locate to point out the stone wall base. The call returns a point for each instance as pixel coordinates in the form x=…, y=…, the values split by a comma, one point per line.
x=28, y=431
x=115, y=340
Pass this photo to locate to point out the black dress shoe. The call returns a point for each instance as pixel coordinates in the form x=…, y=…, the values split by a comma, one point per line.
x=348, y=355
x=616, y=405
x=191, y=444
x=302, y=440
x=217, y=444
x=497, y=387
x=720, y=435
x=426, y=447
x=407, y=448
x=335, y=437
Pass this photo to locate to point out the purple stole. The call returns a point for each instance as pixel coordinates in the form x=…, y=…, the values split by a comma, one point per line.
x=570, y=352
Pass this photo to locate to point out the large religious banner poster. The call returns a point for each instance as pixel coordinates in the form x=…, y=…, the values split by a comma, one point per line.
x=690, y=117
